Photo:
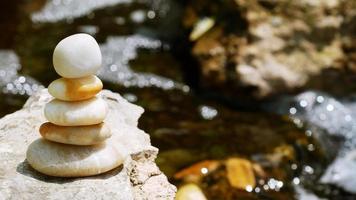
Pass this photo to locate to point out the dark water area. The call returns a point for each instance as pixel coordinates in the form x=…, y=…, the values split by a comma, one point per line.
x=147, y=60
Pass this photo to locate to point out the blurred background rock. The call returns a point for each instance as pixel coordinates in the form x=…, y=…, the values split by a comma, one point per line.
x=244, y=99
x=263, y=48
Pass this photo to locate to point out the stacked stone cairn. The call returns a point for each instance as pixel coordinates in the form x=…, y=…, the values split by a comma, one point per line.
x=74, y=141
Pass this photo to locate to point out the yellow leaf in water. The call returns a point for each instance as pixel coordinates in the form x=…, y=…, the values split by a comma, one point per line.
x=190, y=192
x=285, y=151
x=197, y=170
x=240, y=173
x=201, y=27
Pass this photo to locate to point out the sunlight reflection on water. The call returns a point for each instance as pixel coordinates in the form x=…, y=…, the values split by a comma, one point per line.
x=119, y=50
x=319, y=111
x=56, y=10
x=10, y=81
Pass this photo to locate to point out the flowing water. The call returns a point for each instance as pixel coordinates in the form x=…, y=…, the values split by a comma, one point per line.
x=290, y=142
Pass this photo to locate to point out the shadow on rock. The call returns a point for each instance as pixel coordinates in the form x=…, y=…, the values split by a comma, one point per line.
x=25, y=168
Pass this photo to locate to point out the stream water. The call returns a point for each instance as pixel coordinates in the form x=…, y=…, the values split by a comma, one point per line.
x=292, y=140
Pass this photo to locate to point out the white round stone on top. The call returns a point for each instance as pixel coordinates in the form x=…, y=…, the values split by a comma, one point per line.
x=77, y=56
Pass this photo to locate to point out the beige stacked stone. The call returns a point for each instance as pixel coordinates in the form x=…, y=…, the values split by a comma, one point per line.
x=74, y=140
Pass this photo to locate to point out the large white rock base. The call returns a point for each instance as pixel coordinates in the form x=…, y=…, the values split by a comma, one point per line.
x=137, y=178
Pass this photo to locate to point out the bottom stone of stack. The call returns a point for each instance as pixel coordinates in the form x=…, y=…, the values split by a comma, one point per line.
x=76, y=135
x=64, y=160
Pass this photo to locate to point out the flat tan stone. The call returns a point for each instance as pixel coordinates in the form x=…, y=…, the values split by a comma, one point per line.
x=76, y=135
x=64, y=160
x=76, y=113
x=75, y=89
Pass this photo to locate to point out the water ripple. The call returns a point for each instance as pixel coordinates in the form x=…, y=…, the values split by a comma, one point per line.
x=56, y=10
x=337, y=117
x=119, y=50
x=10, y=81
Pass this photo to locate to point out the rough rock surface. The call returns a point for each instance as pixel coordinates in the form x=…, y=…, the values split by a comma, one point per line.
x=138, y=178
